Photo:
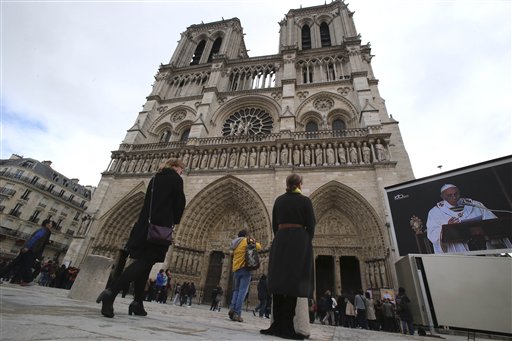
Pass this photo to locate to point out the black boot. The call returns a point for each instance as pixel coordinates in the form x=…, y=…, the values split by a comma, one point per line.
x=137, y=308
x=107, y=303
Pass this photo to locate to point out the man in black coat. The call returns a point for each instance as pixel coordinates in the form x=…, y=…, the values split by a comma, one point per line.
x=164, y=204
x=290, y=269
x=31, y=250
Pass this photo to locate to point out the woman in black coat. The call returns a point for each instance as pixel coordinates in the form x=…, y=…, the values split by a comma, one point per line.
x=166, y=200
x=290, y=269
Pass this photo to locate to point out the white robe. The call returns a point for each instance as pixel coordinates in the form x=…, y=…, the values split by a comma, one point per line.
x=441, y=213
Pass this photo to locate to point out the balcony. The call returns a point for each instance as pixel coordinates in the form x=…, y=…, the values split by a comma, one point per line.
x=8, y=192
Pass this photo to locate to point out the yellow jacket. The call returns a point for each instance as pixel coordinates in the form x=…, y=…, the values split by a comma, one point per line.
x=239, y=245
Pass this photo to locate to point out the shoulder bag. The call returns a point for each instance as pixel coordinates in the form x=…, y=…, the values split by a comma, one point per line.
x=158, y=235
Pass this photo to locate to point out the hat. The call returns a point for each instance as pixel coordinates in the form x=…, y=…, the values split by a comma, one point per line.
x=446, y=186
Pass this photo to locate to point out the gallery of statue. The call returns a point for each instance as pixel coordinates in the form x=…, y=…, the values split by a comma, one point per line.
x=242, y=124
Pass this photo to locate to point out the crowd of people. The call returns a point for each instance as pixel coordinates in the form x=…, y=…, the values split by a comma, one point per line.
x=360, y=310
x=47, y=274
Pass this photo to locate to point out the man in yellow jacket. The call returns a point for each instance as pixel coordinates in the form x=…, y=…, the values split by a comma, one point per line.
x=241, y=275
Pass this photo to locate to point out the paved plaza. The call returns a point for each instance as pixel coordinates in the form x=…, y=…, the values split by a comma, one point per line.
x=42, y=313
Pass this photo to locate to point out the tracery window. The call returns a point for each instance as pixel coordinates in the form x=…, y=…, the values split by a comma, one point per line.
x=184, y=135
x=166, y=135
x=338, y=124
x=215, y=48
x=311, y=126
x=248, y=121
x=198, y=53
x=306, y=37
x=325, y=36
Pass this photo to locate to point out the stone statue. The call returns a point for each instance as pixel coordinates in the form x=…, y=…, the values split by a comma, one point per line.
x=232, y=128
x=232, y=158
x=223, y=158
x=330, y=155
x=352, y=151
x=318, y=155
x=252, y=157
x=284, y=155
x=341, y=154
x=145, y=166
x=263, y=157
x=307, y=156
x=213, y=160
x=185, y=159
x=195, y=160
x=296, y=155
x=204, y=160
x=380, y=151
x=273, y=156
x=242, y=162
x=366, y=153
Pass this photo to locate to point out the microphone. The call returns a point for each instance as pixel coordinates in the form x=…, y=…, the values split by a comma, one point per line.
x=469, y=202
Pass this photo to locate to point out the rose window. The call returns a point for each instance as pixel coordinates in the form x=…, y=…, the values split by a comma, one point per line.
x=247, y=122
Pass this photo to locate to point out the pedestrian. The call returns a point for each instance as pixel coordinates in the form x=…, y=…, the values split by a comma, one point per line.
x=330, y=305
x=184, y=293
x=160, y=283
x=262, y=296
x=241, y=274
x=370, y=312
x=167, y=286
x=164, y=204
x=360, y=306
x=404, y=311
x=30, y=251
x=177, y=290
x=191, y=293
x=290, y=269
x=388, y=315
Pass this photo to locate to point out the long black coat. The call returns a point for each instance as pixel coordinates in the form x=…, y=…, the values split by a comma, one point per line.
x=167, y=208
x=290, y=269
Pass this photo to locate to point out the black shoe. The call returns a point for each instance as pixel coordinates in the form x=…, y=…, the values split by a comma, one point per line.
x=270, y=331
x=137, y=308
x=231, y=312
x=107, y=303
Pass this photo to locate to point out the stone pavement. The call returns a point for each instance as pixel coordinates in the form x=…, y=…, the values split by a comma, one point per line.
x=42, y=313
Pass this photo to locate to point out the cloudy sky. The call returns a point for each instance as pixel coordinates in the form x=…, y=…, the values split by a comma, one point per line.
x=75, y=74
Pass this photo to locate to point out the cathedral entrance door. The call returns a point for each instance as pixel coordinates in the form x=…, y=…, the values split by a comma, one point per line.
x=213, y=275
x=350, y=274
x=324, y=266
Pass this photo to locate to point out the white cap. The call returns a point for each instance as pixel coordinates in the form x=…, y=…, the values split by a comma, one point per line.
x=446, y=186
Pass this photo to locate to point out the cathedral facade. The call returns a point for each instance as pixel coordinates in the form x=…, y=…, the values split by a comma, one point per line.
x=242, y=124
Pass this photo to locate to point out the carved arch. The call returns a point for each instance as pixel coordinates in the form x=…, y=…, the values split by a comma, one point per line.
x=366, y=231
x=166, y=116
x=340, y=103
x=208, y=216
x=117, y=225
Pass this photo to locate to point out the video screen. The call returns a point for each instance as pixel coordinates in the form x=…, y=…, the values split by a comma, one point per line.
x=467, y=209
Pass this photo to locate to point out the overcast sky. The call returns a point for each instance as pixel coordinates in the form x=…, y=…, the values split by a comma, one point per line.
x=74, y=75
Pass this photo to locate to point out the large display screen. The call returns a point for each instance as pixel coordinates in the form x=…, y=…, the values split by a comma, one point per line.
x=467, y=209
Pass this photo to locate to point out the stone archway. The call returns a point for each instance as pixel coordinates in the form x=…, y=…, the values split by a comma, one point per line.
x=210, y=221
x=348, y=227
x=117, y=226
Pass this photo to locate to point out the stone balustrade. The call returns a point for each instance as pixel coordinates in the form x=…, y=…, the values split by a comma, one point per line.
x=344, y=148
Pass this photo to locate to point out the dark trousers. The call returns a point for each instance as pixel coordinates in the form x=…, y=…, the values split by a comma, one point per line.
x=283, y=312
x=138, y=273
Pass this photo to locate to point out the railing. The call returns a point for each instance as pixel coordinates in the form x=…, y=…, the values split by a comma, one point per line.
x=7, y=191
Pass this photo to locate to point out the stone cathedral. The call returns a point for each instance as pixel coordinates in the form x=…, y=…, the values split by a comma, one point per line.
x=242, y=124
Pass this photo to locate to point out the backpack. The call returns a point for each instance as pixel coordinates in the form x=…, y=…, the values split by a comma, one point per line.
x=252, y=259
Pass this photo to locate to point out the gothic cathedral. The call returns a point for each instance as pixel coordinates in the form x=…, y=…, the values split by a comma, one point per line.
x=242, y=124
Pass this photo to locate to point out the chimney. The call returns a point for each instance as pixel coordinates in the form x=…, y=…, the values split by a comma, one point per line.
x=16, y=157
x=47, y=163
x=75, y=180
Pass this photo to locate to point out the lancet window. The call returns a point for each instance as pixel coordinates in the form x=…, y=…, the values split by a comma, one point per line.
x=325, y=36
x=198, y=53
x=215, y=48
x=306, y=37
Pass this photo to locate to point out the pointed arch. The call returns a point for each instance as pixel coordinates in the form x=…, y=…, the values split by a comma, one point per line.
x=362, y=228
x=325, y=35
x=198, y=52
x=117, y=224
x=219, y=211
x=305, y=37
x=342, y=106
x=215, y=48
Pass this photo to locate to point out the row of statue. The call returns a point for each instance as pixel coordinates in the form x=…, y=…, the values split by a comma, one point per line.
x=309, y=155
